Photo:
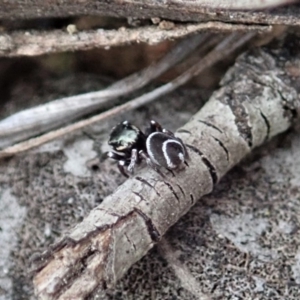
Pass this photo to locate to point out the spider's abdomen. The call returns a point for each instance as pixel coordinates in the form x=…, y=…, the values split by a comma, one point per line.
x=165, y=151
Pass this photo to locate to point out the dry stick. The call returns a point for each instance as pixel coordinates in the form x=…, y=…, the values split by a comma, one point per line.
x=188, y=281
x=32, y=43
x=178, y=10
x=227, y=46
x=238, y=4
x=117, y=233
x=33, y=121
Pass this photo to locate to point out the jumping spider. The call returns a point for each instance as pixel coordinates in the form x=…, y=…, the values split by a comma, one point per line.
x=157, y=146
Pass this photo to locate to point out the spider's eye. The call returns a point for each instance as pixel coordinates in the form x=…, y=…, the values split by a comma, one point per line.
x=123, y=136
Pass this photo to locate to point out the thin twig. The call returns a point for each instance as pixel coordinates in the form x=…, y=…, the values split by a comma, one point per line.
x=237, y=4
x=180, y=10
x=188, y=281
x=32, y=43
x=227, y=46
x=34, y=121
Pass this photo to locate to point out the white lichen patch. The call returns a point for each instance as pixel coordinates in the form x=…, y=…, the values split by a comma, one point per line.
x=52, y=146
x=244, y=232
x=259, y=284
x=11, y=216
x=78, y=154
x=285, y=227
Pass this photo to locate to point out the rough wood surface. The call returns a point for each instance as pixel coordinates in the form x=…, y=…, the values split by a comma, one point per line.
x=258, y=99
x=32, y=43
x=173, y=9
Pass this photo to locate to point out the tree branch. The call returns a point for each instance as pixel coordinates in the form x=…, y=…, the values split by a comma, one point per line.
x=224, y=48
x=181, y=10
x=39, y=119
x=257, y=100
x=32, y=43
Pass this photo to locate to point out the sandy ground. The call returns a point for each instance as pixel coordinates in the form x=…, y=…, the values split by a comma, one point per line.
x=240, y=242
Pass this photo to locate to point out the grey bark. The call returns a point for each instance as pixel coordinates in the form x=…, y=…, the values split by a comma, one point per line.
x=259, y=98
x=33, y=43
x=174, y=10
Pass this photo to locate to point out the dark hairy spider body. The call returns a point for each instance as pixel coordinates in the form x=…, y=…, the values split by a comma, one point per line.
x=157, y=146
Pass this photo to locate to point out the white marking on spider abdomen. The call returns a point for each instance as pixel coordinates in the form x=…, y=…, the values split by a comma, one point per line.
x=165, y=150
x=148, y=146
x=180, y=155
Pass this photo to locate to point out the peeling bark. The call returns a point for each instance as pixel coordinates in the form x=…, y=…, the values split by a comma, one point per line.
x=258, y=99
x=200, y=11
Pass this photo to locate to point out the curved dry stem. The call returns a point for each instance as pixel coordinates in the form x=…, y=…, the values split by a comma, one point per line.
x=227, y=46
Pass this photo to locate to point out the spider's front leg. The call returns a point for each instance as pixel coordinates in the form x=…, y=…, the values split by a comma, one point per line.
x=134, y=159
x=121, y=167
x=154, y=127
x=121, y=162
